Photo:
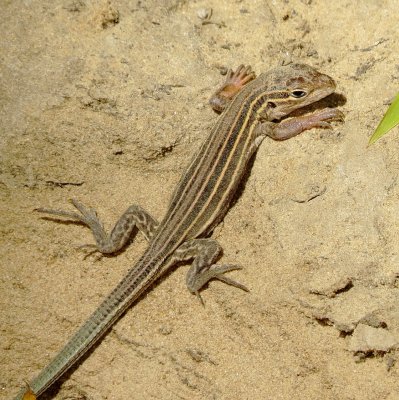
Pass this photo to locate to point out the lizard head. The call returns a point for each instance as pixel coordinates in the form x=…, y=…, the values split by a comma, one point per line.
x=292, y=87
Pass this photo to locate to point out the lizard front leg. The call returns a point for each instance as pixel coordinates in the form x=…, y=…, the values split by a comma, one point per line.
x=204, y=252
x=234, y=82
x=295, y=125
x=133, y=217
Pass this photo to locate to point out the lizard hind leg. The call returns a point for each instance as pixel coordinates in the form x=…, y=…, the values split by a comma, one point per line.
x=133, y=217
x=204, y=252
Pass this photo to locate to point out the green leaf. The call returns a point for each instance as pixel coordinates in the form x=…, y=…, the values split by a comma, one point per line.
x=389, y=121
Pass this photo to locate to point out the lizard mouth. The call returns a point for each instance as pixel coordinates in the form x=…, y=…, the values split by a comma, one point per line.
x=330, y=102
x=318, y=114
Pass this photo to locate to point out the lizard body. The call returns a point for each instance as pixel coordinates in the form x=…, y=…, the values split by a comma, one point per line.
x=252, y=109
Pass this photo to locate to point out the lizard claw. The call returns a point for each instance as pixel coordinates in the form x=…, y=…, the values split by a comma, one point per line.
x=216, y=271
x=219, y=274
x=90, y=253
x=199, y=297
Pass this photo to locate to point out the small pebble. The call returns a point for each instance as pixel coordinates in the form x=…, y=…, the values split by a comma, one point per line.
x=204, y=13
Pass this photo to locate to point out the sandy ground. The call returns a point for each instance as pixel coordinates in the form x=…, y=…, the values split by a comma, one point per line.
x=106, y=102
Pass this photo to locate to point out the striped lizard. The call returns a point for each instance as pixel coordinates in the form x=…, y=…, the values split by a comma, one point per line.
x=251, y=108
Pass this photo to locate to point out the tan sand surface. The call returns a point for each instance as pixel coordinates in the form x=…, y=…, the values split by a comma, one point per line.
x=106, y=102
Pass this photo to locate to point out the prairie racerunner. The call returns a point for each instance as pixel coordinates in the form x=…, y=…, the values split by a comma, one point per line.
x=252, y=108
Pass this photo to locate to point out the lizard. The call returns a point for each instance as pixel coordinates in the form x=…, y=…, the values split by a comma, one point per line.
x=250, y=108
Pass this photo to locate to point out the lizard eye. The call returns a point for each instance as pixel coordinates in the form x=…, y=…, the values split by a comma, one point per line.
x=298, y=93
